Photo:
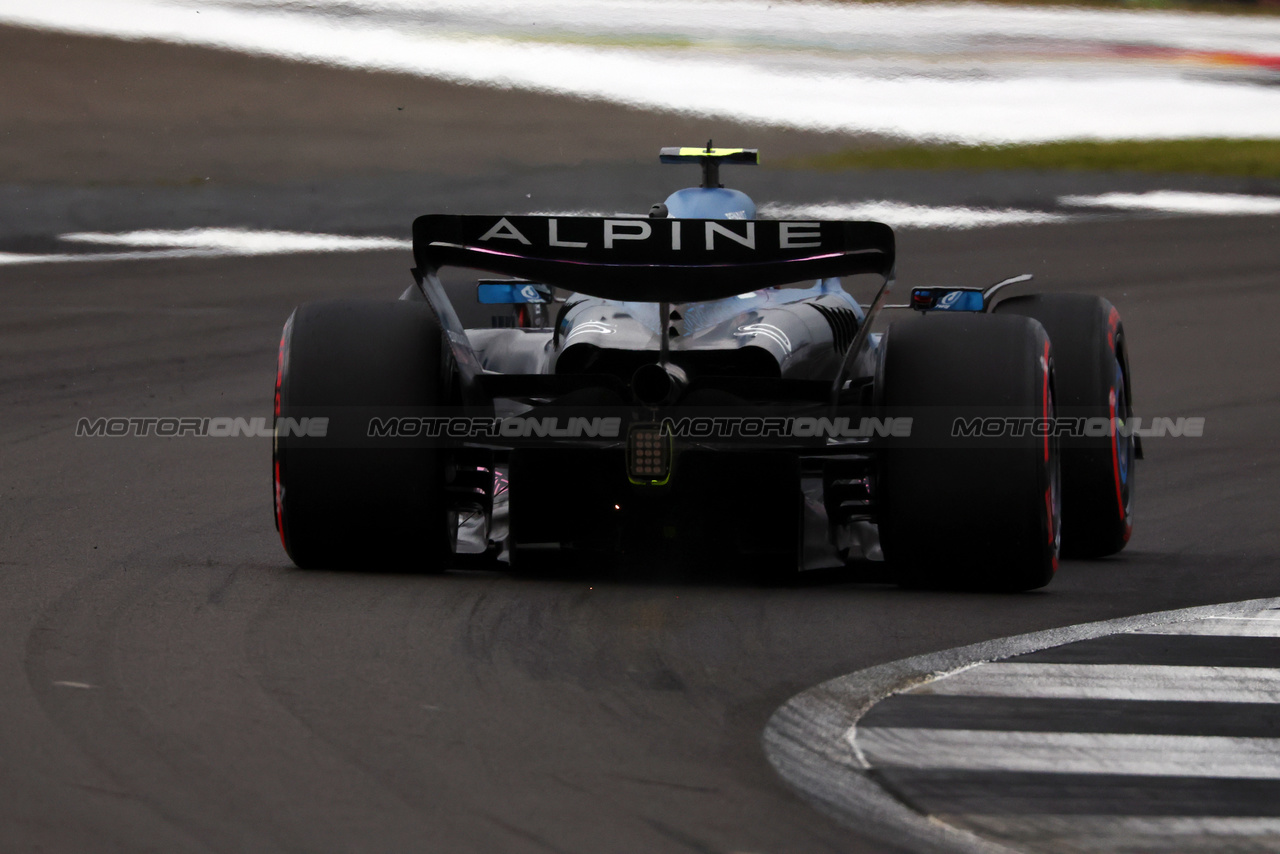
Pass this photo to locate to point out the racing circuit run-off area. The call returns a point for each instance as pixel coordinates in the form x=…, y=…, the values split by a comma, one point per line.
x=903, y=484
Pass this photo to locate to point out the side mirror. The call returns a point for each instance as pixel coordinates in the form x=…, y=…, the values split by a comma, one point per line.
x=512, y=292
x=947, y=299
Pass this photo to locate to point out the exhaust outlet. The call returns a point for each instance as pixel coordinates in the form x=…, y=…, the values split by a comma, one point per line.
x=654, y=384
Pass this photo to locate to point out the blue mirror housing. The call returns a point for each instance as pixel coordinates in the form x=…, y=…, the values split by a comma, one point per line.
x=511, y=292
x=947, y=299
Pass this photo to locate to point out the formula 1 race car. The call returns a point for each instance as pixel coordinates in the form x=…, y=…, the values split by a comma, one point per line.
x=660, y=386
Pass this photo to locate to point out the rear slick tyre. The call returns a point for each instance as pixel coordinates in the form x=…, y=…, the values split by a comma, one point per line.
x=1092, y=364
x=961, y=508
x=340, y=501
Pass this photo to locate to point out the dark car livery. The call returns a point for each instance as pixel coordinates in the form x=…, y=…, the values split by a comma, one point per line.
x=697, y=385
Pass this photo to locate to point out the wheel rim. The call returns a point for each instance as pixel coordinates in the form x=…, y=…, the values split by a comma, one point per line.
x=1055, y=481
x=1122, y=437
x=1122, y=444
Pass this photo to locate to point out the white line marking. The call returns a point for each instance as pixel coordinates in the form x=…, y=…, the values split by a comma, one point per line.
x=14, y=258
x=239, y=241
x=1112, y=682
x=1098, y=833
x=64, y=684
x=896, y=214
x=205, y=243
x=1072, y=752
x=1170, y=201
x=902, y=215
x=1254, y=627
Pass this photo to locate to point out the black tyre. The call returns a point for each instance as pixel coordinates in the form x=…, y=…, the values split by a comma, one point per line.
x=1092, y=365
x=974, y=510
x=341, y=502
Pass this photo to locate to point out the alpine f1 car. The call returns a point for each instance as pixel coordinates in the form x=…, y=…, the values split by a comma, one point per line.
x=697, y=384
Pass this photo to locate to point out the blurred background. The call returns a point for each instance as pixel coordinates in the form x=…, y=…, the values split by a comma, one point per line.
x=355, y=115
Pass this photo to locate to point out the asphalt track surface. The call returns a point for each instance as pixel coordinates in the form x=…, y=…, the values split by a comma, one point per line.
x=169, y=682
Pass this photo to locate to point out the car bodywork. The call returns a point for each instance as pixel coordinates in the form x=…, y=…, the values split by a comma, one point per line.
x=744, y=402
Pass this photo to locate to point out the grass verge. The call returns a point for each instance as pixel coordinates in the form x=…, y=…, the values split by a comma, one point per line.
x=1258, y=158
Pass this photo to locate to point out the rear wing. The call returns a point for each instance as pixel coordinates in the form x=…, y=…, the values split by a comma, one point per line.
x=646, y=260
x=653, y=260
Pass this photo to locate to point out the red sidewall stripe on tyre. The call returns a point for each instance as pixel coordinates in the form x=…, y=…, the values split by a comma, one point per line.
x=1113, y=324
x=277, y=483
x=1048, y=492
